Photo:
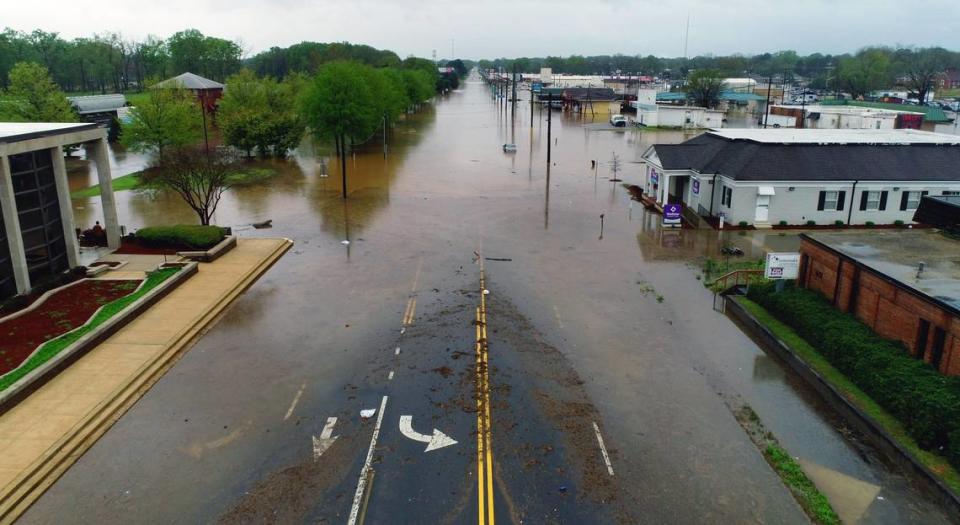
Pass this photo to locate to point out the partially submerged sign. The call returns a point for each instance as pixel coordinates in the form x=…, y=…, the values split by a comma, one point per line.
x=671, y=214
x=782, y=265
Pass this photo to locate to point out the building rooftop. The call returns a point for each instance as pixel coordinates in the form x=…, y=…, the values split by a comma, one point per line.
x=17, y=131
x=189, y=81
x=772, y=155
x=930, y=114
x=98, y=103
x=836, y=136
x=898, y=254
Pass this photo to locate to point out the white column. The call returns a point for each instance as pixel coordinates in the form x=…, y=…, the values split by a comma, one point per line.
x=97, y=150
x=11, y=222
x=66, y=206
x=664, y=188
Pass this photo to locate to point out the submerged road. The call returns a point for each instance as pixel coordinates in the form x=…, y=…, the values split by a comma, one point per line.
x=457, y=342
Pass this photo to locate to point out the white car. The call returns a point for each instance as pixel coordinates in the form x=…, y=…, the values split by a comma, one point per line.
x=618, y=121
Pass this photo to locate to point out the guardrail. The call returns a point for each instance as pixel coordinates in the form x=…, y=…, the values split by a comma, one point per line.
x=739, y=277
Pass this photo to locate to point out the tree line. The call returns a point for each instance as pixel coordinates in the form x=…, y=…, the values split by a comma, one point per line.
x=856, y=73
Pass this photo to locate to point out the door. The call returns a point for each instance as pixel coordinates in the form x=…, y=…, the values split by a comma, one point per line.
x=939, y=337
x=763, y=208
x=923, y=332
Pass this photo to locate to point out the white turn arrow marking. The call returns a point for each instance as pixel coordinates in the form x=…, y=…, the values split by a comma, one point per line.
x=437, y=440
x=321, y=444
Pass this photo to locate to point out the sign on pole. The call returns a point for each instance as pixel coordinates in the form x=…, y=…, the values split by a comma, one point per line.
x=782, y=266
x=671, y=214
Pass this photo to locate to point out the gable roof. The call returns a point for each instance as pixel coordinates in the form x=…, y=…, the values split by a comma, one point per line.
x=188, y=81
x=751, y=160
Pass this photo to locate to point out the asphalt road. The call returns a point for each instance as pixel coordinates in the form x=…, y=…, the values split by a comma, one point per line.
x=582, y=339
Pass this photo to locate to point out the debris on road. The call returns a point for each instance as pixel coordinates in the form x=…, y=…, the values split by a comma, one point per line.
x=367, y=413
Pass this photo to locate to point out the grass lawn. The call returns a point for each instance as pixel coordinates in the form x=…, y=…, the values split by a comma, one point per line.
x=244, y=177
x=53, y=347
x=809, y=354
x=812, y=500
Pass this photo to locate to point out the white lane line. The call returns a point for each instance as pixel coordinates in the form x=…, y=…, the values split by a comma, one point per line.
x=603, y=448
x=556, y=312
x=296, y=399
x=362, y=482
x=390, y=377
x=397, y=352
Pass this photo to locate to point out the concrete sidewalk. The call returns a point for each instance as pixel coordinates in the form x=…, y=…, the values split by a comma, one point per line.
x=46, y=432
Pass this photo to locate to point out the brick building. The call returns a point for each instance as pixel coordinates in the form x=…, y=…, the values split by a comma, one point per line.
x=877, y=276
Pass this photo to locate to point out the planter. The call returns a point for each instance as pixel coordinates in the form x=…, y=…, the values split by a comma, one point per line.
x=856, y=417
x=47, y=370
x=224, y=246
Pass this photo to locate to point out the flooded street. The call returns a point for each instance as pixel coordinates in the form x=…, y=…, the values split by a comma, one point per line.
x=595, y=336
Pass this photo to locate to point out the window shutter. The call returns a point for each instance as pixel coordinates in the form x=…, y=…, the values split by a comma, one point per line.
x=823, y=197
x=840, y=198
x=922, y=193
x=903, y=200
x=863, y=200
x=883, y=200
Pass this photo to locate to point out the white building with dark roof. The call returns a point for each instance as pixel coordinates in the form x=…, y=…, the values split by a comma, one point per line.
x=766, y=177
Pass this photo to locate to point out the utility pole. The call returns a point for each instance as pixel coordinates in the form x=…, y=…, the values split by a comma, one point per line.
x=531, y=106
x=549, y=115
x=384, y=135
x=343, y=163
x=513, y=97
x=767, y=109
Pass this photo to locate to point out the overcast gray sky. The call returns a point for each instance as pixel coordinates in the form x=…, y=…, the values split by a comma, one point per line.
x=494, y=28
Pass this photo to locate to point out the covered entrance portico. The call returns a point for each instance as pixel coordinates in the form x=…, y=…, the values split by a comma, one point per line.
x=38, y=235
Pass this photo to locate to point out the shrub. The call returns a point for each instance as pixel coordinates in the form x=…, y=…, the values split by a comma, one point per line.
x=743, y=224
x=181, y=235
x=838, y=222
x=811, y=223
x=869, y=224
x=925, y=401
x=898, y=222
x=783, y=223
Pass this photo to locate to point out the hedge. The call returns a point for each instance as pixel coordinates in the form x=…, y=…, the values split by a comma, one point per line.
x=924, y=400
x=183, y=235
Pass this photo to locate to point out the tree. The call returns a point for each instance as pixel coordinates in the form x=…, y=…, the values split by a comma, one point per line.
x=868, y=70
x=339, y=104
x=922, y=68
x=169, y=118
x=198, y=177
x=260, y=113
x=35, y=97
x=704, y=87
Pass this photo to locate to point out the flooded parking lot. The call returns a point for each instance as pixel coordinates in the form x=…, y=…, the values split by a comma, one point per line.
x=612, y=329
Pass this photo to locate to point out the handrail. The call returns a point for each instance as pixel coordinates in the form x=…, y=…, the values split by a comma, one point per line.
x=736, y=275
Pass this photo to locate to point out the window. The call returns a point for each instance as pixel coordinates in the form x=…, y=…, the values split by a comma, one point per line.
x=727, y=198
x=873, y=201
x=910, y=200
x=831, y=200
x=954, y=193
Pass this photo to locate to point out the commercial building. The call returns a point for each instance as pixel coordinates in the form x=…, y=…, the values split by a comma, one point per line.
x=37, y=232
x=842, y=117
x=905, y=285
x=651, y=114
x=766, y=177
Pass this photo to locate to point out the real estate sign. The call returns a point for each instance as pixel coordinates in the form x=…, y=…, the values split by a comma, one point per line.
x=782, y=265
x=671, y=214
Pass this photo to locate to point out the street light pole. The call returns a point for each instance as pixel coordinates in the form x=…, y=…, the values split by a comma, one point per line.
x=549, y=118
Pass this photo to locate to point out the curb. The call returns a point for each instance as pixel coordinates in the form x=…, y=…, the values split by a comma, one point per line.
x=17, y=496
x=859, y=419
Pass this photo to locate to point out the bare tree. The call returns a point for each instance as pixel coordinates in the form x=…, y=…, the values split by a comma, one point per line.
x=615, y=166
x=200, y=179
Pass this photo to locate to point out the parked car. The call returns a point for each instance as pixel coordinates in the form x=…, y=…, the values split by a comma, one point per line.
x=618, y=121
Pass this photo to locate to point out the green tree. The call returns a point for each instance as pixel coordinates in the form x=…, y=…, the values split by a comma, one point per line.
x=703, y=88
x=200, y=178
x=420, y=87
x=339, y=104
x=35, y=97
x=168, y=119
x=867, y=70
x=260, y=113
x=921, y=69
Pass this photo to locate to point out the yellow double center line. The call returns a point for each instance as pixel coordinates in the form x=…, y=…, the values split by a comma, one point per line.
x=411, y=311
x=484, y=451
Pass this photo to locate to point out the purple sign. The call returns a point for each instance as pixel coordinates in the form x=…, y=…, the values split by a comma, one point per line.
x=696, y=187
x=671, y=214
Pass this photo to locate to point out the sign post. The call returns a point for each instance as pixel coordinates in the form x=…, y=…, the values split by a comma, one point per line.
x=782, y=266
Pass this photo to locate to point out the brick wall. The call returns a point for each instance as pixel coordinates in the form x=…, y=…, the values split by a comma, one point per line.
x=892, y=311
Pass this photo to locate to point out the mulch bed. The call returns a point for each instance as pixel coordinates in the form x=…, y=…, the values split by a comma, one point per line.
x=62, y=312
x=132, y=247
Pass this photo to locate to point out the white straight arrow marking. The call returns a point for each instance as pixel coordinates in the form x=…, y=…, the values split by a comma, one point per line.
x=323, y=443
x=437, y=440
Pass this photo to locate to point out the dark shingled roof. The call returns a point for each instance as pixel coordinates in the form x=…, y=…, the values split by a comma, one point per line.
x=755, y=161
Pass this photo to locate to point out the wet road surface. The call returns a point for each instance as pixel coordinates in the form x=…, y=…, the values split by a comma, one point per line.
x=587, y=340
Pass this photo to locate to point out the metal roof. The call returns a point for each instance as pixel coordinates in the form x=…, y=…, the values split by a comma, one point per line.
x=730, y=96
x=98, y=103
x=836, y=136
x=930, y=114
x=18, y=131
x=189, y=81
